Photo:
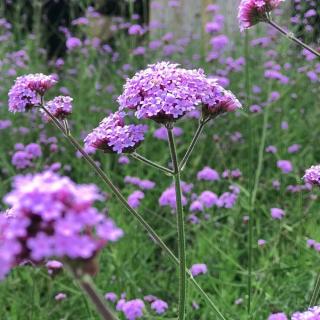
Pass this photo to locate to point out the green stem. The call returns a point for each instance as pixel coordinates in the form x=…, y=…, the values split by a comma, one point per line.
x=315, y=293
x=253, y=201
x=180, y=226
x=151, y=163
x=192, y=144
x=92, y=293
x=133, y=212
x=292, y=37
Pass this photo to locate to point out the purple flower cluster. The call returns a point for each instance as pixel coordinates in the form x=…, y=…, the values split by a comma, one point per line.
x=23, y=158
x=168, y=198
x=26, y=91
x=252, y=12
x=312, y=314
x=59, y=107
x=312, y=176
x=113, y=136
x=165, y=92
x=142, y=184
x=277, y=316
x=52, y=217
x=198, y=269
x=208, y=174
x=132, y=309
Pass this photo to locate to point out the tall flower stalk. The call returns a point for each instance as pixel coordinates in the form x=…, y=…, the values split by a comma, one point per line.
x=180, y=225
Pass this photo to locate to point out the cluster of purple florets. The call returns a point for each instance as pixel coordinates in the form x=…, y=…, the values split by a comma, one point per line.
x=312, y=176
x=51, y=216
x=60, y=107
x=252, y=12
x=112, y=135
x=166, y=92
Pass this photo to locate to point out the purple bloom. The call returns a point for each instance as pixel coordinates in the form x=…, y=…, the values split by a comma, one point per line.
x=312, y=314
x=277, y=213
x=285, y=166
x=53, y=217
x=133, y=309
x=60, y=296
x=294, y=148
x=312, y=176
x=198, y=269
x=111, y=296
x=135, y=198
x=159, y=306
x=21, y=160
x=34, y=150
x=219, y=100
x=112, y=135
x=208, y=198
x=164, y=92
x=25, y=92
x=73, y=43
x=261, y=242
x=162, y=133
x=168, y=198
x=277, y=316
x=136, y=29
x=60, y=107
x=271, y=149
x=208, y=174
x=252, y=12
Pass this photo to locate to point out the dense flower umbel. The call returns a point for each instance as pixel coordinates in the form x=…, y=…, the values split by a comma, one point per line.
x=312, y=176
x=219, y=100
x=112, y=135
x=26, y=91
x=252, y=12
x=59, y=107
x=311, y=314
x=53, y=217
x=164, y=92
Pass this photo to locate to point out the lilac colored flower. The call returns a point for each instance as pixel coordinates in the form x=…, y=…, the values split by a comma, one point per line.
x=310, y=243
x=285, y=166
x=219, y=100
x=208, y=198
x=312, y=314
x=54, y=266
x=60, y=107
x=53, y=217
x=135, y=198
x=136, y=29
x=159, y=306
x=123, y=160
x=4, y=124
x=73, y=43
x=277, y=316
x=276, y=184
x=271, y=149
x=284, y=125
x=312, y=176
x=198, y=269
x=252, y=12
x=261, y=242
x=21, y=160
x=163, y=92
x=142, y=184
x=162, y=133
x=208, y=174
x=111, y=296
x=196, y=206
x=34, y=150
x=294, y=148
x=277, y=213
x=168, y=198
x=133, y=309
x=255, y=108
x=25, y=92
x=60, y=296
x=112, y=135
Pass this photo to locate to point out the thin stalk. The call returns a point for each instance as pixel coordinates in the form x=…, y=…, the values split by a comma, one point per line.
x=250, y=226
x=192, y=144
x=292, y=37
x=180, y=226
x=151, y=163
x=133, y=212
x=92, y=293
x=253, y=201
x=315, y=293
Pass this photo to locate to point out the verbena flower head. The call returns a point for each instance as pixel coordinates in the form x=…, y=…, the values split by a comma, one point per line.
x=252, y=12
x=312, y=314
x=113, y=136
x=26, y=91
x=199, y=268
x=133, y=309
x=164, y=92
x=53, y=218
x=312, y=176
x=60, y=107
x=219, y=100
x=278, y=316
x=159, y=306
